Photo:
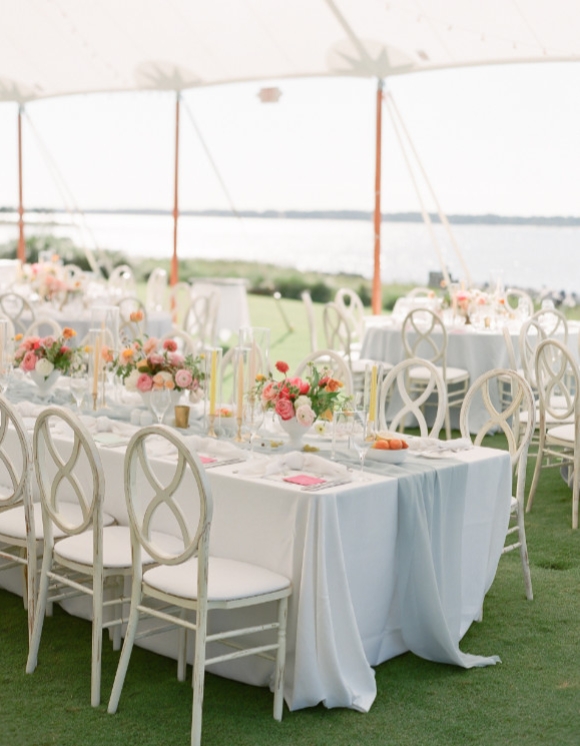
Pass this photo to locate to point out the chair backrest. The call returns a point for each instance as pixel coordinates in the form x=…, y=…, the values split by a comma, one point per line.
x=395, y=393
x=520, y=300
x=185, y=342
x=420, y=292
x=42, y=323
x=156, y=291
x=201, y=317
x=122, y=281
x=18, y=310
x=557, y=380
x=311, y=318
x=333, y=363
x=424, y=335
x=15, y=461
x=353, y=308
x=179, y=301
x=553, y=323
x=511, y=353
x=485, y=391
x=68, y=470
x=73, y=273
x=179, y=491
x=336, y=329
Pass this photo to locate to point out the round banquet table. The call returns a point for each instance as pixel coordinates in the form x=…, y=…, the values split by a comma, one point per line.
x=476, y=350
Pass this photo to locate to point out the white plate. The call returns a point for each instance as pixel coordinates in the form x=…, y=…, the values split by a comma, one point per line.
x=388, y=457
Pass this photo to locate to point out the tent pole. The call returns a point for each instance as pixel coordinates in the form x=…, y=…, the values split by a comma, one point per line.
x=21, y=252
x=174, y=263
x=377, y=291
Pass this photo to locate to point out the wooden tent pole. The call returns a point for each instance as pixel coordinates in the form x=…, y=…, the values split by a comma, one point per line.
x=174, y=264
x=21, y=252
x=377, y=301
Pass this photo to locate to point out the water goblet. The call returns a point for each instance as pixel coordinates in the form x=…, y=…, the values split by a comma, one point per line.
x=160, y=399
x=342, y=422
x=361, y=437
x=253, y=417
x=79, y=384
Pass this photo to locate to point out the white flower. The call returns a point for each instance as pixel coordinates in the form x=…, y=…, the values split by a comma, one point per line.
x=305, y=415
x=44, y=367
x=131, y=380
x=320, y=427
x=302, y=401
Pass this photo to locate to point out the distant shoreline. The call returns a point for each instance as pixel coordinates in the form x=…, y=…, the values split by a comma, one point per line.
x=396, y=217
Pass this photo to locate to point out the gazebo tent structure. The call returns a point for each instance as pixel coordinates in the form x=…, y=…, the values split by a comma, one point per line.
x=61, y=47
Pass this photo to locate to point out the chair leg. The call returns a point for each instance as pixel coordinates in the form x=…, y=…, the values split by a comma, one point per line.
x=182, y=650
x=97, y=643
x=124, y=659
x=447, y=423
x=575, y=488
x=537, y=470
x=280, y=660
x=198, y=676
x=524, y=556
x=39, y=613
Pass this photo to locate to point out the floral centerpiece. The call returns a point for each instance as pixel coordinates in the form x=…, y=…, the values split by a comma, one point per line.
x=44, y=355
x=151, y=363
x=305, y=399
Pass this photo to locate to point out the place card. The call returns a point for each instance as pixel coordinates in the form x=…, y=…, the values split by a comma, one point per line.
x=207, y=459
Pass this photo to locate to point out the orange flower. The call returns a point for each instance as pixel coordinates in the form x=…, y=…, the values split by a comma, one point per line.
x=127, y=354
x=107, y=354
x=67, y=332
x=136, y=316
x=333, y=385
x=18, y=337
x=142, y=365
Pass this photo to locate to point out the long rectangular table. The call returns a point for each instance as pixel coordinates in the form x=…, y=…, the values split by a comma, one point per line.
x=401, y=561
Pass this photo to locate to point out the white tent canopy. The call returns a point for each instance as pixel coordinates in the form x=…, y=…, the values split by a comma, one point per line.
x=59, y=47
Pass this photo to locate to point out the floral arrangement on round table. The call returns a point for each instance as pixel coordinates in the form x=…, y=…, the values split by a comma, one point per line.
x=45, y=354
x=301, y=399
x=152, y=363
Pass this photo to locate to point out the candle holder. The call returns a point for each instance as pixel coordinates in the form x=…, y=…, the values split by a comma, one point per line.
x=212, y=387
x=106, y=318
x=257, y=340
x=96, y=367
x=241, y=379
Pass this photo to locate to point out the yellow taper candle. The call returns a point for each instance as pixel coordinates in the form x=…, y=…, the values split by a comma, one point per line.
x=373, y=395
x=240, y=385
x=96, y=365
x=213, y=382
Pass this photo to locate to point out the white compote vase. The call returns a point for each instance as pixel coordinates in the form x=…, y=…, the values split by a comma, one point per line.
x=44, y=384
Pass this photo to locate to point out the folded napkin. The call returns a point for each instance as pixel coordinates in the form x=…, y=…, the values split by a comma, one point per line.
x=218, y=449
x=422, y=445
x=28, y=409
x=270, y=465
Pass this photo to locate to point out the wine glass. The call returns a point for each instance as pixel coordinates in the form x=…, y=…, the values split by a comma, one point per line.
x=361, y=436
x=79, y=384
x=253, y=417
x=160, y=399
x=342, y=422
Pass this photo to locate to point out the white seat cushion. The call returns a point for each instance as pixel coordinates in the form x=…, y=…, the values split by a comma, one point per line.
x=227, y=579
x=12, y=521
x=549, y=418
x=453, y=375
x=116, y=547
x=562, y=432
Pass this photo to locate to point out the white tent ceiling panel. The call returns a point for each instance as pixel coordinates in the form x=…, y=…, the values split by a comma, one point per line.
x=58, y=47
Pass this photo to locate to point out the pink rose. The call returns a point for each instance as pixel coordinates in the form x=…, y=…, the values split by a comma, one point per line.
x=28, y=361
x=150, y=345
x=302, y=386
x=285, y=409
x=305, y=415
x=183, y=379
x=269, y=392
x=47, y=341
x=144, y=382
x=175, y=359
x=155, y=359
x=170, y=345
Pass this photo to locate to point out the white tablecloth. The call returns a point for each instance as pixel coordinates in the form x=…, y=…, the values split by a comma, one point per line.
x=477, y=351
x=359, y=557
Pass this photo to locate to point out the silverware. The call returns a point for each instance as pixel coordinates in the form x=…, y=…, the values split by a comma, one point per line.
x=326, y=485
x=224, y=463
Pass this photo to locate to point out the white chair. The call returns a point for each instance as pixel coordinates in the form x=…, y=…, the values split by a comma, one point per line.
x=201, y=318
x=352, y=306
x=424, y=335
x=311, y=318
x=18, y=310
x=156, y=290
x=43, y=323
x=82, y=550
x=179, y=301
x=522, y=401
x=420, y=292
x=188, y=578
x=333, y=362
x=73, y=274
x=519, y=300
x=122, y=281
x=17, y=516
x=558, y=381
x=396, y=394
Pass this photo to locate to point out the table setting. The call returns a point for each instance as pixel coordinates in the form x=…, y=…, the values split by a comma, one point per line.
x=384, y=557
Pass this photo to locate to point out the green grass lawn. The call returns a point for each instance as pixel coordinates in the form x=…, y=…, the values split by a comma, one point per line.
x=532, y=697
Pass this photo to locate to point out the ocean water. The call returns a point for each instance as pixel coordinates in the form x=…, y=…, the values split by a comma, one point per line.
x=525, y=256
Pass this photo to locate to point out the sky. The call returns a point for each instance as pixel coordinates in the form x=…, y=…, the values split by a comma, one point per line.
x=499, y=140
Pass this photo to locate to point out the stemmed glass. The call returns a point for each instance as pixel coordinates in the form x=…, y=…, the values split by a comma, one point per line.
x=342, y=422
x=160, y=399
x=79, y=384
x=361, y=436
x=253, y=417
